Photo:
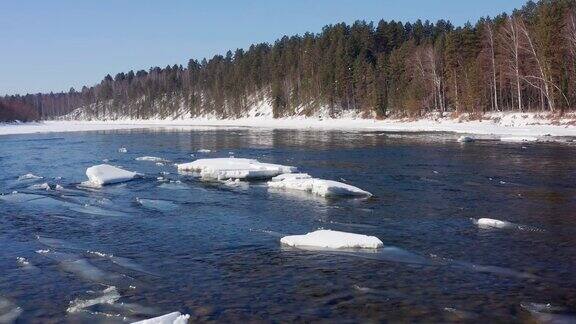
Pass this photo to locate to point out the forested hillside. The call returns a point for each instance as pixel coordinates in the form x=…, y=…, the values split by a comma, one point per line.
x=524, y=61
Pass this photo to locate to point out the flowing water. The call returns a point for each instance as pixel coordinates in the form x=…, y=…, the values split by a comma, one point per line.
x=171, y=242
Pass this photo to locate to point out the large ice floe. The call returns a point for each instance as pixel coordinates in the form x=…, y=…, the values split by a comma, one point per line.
x=320, y=187
x=172, y=318
x=233, y=168
x=329, y=239
x=104, y=174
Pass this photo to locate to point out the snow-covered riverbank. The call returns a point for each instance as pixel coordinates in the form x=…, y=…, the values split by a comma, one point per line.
x=515, y=124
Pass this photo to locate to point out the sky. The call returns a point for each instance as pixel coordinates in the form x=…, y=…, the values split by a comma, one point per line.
x=54, y=45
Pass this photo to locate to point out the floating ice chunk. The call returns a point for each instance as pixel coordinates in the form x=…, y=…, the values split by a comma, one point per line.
x=320, y=187
x=493, y=223
x=122, y=150
x=519, y=139
x=232, y=168
x=59, y=187
x=172, y=318
x=109, y=295
x=104, y=174
x=41, y=186
x=9, y=312
x=204, y=151
x=333, y=240
x=286, y=176
x=151, y=159
x=466, y=139
x=161, y=205
x=29, y=176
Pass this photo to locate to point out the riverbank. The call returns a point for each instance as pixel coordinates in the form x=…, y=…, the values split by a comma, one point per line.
x=513, y=124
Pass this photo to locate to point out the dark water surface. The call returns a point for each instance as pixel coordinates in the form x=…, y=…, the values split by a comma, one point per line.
x=148, y=247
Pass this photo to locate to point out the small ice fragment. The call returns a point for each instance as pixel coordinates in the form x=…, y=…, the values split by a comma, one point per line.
x=104, y=174
x=332, y=240
x=122, y=150
x=151, y=159
x=59, y=187
x=109, y=295
x=465, y=139
x=160, y=164
x=22, y=261
x=105, y=160
x=493, y=223
x=29, y=176
x=320, y=187
x=204, y=151
x=41, y=186
x=172, y=318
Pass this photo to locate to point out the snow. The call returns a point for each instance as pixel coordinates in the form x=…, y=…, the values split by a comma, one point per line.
x=104, y=174
x=519, y=139
x=320, y=187
x=233, y=168
x=172, y=318
x=465, y=139
x=332, y=240
x=286, y=176
x=493, y=223
x=508, y=124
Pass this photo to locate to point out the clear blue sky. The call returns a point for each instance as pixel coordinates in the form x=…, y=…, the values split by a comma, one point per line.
x=54, y=45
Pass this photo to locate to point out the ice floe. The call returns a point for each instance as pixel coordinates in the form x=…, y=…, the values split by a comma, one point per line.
x=151, y=159
x=122, y=150
x=204, y=151
x=29, y=176
x=487, y=223
x=320, y=187
x=40, y=186
x=333, y=240
x=172, y=318
x=109, y=295
x=9, y=312
x=233, y=168
x=104, y=174
x=466, y=139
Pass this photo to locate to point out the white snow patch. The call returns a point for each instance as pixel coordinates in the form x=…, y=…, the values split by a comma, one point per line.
x=104, y=174
x=333, y=240
x=519, y=139
x=232, y=168
x=320, y=187
x=171, y=318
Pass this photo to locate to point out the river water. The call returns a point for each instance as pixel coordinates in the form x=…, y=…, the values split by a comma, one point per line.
x=171, y=242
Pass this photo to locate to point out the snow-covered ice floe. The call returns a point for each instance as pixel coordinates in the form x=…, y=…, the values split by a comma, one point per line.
x=332, y=240
x=519, y=139
x=172, y=318
x=233, y=168
x=104, y=174
x=152, y=159
x=320, y=187
x=492, y=223
x=29, y=176
x=466, y=139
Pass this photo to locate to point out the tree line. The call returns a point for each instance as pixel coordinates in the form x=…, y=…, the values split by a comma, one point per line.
x=523, y=61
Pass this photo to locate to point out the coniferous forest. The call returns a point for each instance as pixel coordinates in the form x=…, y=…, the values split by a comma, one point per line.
x=520, y=61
